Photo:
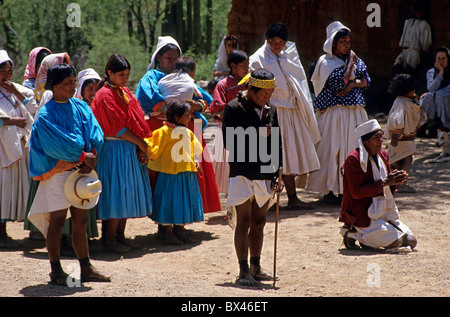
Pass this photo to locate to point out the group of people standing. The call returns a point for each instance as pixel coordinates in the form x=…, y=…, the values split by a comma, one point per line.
x=151, y=160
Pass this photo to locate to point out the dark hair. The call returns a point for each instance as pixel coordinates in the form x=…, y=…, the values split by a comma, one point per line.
x=4, y=64
x=57, y=73
x=442, y=49
x=41, y=55
x=236, y=56
x=340, y=34
x=263, y=74
x=87, y=82
x=176, y=108
x=116, y=63
x=402, y=84
x=185, y=64
x=277, y=30
x=213, y=83
x=230, y=37
x=367, y=136
x=166, y=48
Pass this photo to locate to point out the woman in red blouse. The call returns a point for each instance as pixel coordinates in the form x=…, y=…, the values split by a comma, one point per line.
x=126, y=191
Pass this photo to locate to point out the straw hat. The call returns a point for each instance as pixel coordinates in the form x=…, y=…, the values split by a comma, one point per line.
x=83, y=190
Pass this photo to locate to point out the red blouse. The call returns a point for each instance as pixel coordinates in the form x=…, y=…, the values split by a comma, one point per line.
x=115, y=112
x=225, y=91
x=359, y=189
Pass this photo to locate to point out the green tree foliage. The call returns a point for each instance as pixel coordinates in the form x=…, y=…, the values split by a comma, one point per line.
x=127, y=27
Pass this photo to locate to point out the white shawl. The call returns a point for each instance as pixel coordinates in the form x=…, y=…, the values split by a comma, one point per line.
x=11, y=135
x=327, y=62
x=178, y=86
x=221, y=61
x=291, y=89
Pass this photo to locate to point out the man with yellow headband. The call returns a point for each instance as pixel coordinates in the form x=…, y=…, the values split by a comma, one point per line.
x=251, y=135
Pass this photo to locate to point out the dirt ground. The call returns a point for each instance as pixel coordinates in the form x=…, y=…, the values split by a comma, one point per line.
x=311, y=260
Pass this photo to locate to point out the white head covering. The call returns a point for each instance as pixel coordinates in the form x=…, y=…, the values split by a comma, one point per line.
x=221, y=61
x=328, y=62
x=332, y=30
x=4, y=57
x=162, y=41
x=84, y=75
x=363, y=129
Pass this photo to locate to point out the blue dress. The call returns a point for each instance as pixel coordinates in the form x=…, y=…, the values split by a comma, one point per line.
x=177, y=199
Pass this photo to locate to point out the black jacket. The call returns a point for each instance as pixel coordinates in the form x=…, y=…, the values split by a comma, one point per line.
x=251, y=153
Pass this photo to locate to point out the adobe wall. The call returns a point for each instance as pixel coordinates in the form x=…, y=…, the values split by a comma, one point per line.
x=307, y=21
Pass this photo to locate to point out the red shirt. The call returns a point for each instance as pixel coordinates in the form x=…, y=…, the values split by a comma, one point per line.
x=225, y=91
x=113, y=113
x=359, y=189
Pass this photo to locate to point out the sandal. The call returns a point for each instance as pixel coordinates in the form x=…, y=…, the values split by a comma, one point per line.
x=173, y=240
x=117, y=247
x=246, y=280
x=261, y=275
x=94, y=276
x=350, y=243
x=59, y=278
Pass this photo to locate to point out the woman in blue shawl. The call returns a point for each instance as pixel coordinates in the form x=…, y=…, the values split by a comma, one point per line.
x=65, y=137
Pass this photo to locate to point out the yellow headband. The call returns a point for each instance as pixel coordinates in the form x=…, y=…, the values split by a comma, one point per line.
x=259, y=83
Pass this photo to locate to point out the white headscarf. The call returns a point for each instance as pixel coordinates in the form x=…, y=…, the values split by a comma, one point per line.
x=84, y=75
x=221, y=61
x=4, y=57
x=327, y=62
x=162, y=41
x=361, y=130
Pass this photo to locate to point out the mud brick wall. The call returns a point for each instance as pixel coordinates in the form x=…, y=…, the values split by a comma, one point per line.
x=307, y=21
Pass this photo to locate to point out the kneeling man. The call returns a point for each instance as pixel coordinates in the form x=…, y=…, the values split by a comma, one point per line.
x=368, y=208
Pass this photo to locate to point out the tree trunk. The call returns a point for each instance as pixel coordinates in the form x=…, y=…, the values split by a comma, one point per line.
x=197, y=26
x=209, y=26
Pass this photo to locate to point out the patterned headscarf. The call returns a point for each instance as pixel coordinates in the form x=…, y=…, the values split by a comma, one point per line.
x=259, y=83
x=30, y=71
x=47, y=62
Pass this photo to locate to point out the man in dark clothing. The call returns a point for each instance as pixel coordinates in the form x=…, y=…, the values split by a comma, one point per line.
x=252, y=137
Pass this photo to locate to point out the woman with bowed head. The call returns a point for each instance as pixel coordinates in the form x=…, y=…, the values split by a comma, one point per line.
x=291, y=97
x=15, y=128
x=339, y=79
x=64, y=144
x=34, y=63
x=122, y=160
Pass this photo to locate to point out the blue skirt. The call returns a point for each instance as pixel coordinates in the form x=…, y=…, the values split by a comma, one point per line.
x=177, y=199
x=126, y=191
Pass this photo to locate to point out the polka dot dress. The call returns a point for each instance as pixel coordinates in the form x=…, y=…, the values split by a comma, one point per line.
x=328, y=96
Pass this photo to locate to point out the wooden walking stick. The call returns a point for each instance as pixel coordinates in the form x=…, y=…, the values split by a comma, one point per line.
x=277, y=212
